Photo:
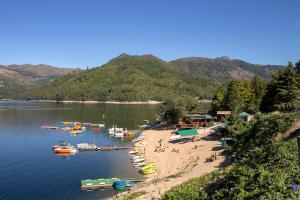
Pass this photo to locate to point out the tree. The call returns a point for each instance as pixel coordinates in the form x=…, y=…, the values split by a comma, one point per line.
x=298, y=67
x=217, y=101
x=258, y=88
x=283, y=92
x=238, y=95
x=173, y=109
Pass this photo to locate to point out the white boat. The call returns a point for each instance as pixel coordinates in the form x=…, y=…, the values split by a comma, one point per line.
x=133, y=152
x=138, y=160
x=140, y=164
x=101, y=125
x=117, y=132
x=136, y=157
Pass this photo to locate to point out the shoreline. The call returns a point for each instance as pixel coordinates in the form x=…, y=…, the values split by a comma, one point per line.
x=150, y=102
x=174, y=168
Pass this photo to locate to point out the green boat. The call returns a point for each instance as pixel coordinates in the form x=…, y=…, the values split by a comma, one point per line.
x=105, y=182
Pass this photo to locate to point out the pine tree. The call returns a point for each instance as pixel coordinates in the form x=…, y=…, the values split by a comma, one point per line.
x=217, y=102
x=283, y=92
x=258, y=87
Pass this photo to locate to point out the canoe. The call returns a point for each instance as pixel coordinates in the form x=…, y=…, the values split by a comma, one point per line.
x=148, y=166
x=119, y=185
x=133, y=152
x=138, y=160
x=149, y=171
x=140, y=164
x=137, y=157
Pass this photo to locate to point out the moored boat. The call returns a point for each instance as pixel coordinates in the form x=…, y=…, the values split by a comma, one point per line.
x=49, y=127
x=66, y=150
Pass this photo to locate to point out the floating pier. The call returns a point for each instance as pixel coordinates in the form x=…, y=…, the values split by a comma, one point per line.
x=93, y=147
x=104, y=183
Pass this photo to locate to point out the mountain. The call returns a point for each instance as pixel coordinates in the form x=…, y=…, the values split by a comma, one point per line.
x=129, y=78
x=224, y=69
x=15, y=79
x=126, y=78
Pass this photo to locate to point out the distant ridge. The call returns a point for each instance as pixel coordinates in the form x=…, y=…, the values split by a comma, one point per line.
x=147, y=77
x=15, y=79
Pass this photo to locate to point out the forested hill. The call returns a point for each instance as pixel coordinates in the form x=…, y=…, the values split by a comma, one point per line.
x=128, y=78
x=224, y=69
x=15, y=79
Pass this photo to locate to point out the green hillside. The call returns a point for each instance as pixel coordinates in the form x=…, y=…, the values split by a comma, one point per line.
x=265, y=164
x=126, y=78
x=142, y=78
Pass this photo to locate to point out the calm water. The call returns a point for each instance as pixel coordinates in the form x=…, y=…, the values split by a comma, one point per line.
x=30, y=170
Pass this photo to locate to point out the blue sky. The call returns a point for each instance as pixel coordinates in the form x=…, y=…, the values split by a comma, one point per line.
x=79, y=33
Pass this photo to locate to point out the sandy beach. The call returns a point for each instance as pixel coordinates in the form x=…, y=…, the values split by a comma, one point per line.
x=177, y=163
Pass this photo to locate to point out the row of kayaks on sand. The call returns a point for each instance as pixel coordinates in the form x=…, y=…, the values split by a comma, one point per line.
x=138, y=158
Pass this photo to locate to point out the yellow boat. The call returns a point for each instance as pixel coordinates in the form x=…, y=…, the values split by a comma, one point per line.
x=149, y=171
x=148, y=166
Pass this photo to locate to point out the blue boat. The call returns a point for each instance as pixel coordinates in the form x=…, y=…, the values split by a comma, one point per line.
x=122, y=184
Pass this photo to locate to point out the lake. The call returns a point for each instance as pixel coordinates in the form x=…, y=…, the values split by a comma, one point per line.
x=30, y=170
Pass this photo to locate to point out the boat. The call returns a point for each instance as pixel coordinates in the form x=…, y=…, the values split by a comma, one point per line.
x=148, y=171
x=148, y=166
x=61, y=144
x=138, y=160
x=138, y=140
x=97, y=129
x=117, y=132
x=97, y=125
x=133, y=152
x=119, y=185
x=49, y=127
x=140, y=164
x=66, y=128
x=66, y=149
x=140, y=144
x=136, y=157
x=71, y=123
x=76, y=132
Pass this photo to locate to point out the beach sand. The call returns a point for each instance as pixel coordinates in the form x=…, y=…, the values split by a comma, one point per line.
x=176, y=167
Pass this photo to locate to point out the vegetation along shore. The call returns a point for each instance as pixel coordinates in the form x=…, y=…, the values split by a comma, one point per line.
x=261, y=161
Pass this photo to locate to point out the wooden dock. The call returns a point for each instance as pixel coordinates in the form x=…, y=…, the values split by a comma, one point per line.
x=111, y=148
x=92, y=147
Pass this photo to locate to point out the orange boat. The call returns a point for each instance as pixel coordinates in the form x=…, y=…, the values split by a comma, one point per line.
x=65, y=150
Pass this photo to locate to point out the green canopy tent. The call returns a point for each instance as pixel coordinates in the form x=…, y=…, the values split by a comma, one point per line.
x=187, y=132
